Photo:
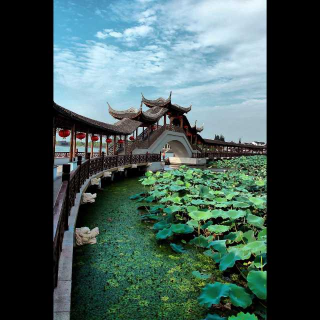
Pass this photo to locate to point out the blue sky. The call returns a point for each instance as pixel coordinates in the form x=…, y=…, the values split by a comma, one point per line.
x=209, y=53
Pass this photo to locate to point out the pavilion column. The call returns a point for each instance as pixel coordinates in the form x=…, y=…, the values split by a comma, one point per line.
x=86, y=143
x=100, y=150
x=114, y=145
x=92, y=142
x=107, y=146
x=75, y=144
x=124, y=145
x=181, y=122
x=71, y=143
x=149, y=129
x=54, y=142
x=165, y=120
x=142, y=132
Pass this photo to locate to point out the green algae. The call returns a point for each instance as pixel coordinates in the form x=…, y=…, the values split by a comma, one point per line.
x=127, y=274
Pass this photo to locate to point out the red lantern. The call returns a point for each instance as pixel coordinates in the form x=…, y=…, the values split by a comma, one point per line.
x=94, y=138
x=80, y=135
x=186, y=127
x=154, y=127
x=131, y=138
x=169, y=113
x=64, y=133
x=108, y=140
x=120, y=141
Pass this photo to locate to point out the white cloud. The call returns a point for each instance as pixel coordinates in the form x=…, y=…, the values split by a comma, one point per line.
x=139, y=31
x=209, y=53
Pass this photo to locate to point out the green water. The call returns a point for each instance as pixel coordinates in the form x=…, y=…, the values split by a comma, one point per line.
x=127, y=274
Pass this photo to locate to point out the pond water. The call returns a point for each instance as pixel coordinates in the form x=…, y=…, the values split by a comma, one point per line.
x=127, y=274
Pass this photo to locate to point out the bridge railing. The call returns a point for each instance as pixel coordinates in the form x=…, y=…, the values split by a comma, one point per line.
x=71, y=185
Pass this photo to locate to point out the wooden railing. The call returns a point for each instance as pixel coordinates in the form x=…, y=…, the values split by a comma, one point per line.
x=71, y=185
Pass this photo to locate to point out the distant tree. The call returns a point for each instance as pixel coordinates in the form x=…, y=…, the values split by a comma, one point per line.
x=239, y=140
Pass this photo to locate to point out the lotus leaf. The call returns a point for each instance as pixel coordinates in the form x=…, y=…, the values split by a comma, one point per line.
x=164, y=234
x=219, y=213
x=260, y=183
x=177, y=248
x=238, y=204
x=257, y=261
x=219, y=245
x=209, y=253
x=200, y=215
x=228, y=260
x=230, y=195
x=148, y=173
x=204, y=191
x=181, y=228
x=257, y=282
x=255, y=220
x=174, y=208
x=220, y=200
x=238, y=296
x=197, y=202
x=201, y=276
x=176, y=188
x=150, y=199
x=243, y=316
x=136, y=196
x=192, y=208
x=249, y=236
x=206, y=225
x=214, y=317
x=240, y=252
x=262, y=235
x=150, y=181
x=223, y=204
x=161, y=225
x=257, y=201
x=200, y=241
x=255, y=247
x=193, y=223
x=212, y=293
x=235, y=214
x=151, y=217
x=216, y=228
x=234, y=236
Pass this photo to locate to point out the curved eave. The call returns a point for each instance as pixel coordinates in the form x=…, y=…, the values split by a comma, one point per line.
x=178, y=108
x=151, y=116
x=160, y=102
x=130, y=113
x=84, y=122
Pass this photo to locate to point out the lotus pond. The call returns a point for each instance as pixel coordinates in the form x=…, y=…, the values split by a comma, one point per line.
x=191, y=244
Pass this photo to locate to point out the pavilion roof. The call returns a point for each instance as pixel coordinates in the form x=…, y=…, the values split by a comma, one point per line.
x=66, y=118
x=197, y=129
x=165, y=103
x=150, y=116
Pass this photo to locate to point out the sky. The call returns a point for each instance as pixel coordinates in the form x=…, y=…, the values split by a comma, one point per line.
x=209, y=53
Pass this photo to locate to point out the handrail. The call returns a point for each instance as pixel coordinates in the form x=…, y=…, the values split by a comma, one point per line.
x=69, y=189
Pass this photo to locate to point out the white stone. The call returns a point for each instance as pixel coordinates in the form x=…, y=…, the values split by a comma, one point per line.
x=107, y=174
x=85, y=236
x=95, y=181
x=88, y=197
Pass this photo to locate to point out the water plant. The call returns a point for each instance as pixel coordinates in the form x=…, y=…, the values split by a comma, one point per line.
x=224, y=215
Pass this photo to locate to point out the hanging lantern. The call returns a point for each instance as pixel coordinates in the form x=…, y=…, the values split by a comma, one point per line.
x=186, y=127
x=169, y=113
x=154, y=127
x=131, y=138
x=108, y=140
x=121, y=141
x=64, y=133
x=80, y=135
x=94, y=138
x=180, y=117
